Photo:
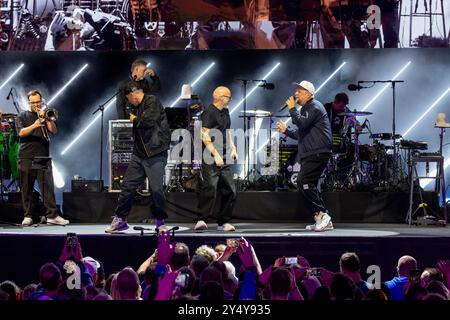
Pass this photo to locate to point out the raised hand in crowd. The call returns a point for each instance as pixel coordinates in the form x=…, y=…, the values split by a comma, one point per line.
x=165, y=248
x=166, y=285
x=248, y=256
x=227, y=253
x=71, y=251
x=150, y=260
x=444, y=267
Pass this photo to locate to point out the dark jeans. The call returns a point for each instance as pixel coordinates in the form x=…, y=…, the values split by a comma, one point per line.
x=28, y=177
x=138, y=169
x=218, y=185
x=389, y=21
x=308, y=178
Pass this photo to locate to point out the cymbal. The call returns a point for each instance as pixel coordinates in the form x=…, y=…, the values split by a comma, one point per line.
x=258, y=112
x=355, y=113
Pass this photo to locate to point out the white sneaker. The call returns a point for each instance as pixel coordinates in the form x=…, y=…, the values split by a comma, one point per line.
x=312, y=227
x=324, y=222
x=200, y=225
x=226, y=227
x=27, y=221
x=60, y=221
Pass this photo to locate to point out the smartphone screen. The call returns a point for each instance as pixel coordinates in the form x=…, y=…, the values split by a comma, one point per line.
x=290, y=260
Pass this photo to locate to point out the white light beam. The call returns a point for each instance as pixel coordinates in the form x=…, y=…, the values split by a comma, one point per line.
x=255, y=87
x=426, y=112
x=11, y=76
x=386, y=86
x=67, y=84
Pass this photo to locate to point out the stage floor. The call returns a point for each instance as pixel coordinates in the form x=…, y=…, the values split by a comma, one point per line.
x=246, y=229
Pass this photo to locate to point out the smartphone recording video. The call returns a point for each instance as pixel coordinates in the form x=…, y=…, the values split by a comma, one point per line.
x=182, y=280
x=233, y=243
x=290, y=260
x=313, y=272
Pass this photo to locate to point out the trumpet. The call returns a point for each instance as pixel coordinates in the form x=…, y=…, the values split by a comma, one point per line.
x=50, y=114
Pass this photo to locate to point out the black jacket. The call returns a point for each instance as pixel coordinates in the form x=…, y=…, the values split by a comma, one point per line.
x=123, y=107
x=313, y=129
x=151, y=127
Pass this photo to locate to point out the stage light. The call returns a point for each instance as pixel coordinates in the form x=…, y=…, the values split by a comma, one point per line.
x=331, y=76
x=67, y=84
x=426, y=112
x=255, y=87
x=90, y=124
x=386, y=86
x=318, y=89
x=57, y=177
x=195, y=82
x=11, y=76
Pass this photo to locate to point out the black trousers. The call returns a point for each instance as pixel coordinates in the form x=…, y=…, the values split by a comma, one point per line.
x=217, y=185
x=139, y=169
x=390, y=21
x=28, y=177
x=308, y=179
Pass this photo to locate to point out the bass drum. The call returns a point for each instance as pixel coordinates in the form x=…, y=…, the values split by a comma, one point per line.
x=40, y=9
x=292, y=170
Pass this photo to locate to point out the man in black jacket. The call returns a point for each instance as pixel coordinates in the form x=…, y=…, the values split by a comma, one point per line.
x=314, y=146
x=139, y=72
x=151, y=136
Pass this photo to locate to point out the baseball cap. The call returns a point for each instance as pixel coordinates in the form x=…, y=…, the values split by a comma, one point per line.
x=308, y=86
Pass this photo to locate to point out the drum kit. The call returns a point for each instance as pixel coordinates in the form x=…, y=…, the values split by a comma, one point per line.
x=357, y=166
x=9, y=149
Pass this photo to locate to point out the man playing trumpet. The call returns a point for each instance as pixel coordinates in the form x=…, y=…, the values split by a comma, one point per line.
x=33, y=128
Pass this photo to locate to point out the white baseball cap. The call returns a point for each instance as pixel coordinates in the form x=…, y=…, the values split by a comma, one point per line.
x=308, y=86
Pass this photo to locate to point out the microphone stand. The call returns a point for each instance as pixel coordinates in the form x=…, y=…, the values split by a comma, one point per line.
x=101, y=108
x=247, y=124
x=393, y=83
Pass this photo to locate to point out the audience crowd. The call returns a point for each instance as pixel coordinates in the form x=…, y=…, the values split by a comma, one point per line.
x=172, y=272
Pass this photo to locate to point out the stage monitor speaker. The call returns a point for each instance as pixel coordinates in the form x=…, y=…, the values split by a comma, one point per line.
x=87, y=185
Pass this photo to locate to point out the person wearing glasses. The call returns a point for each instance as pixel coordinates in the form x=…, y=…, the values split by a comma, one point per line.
x=33, y=130
x=218, y=152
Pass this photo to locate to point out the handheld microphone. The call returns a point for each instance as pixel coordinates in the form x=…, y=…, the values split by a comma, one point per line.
x=138, y=228
x=284, y=106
